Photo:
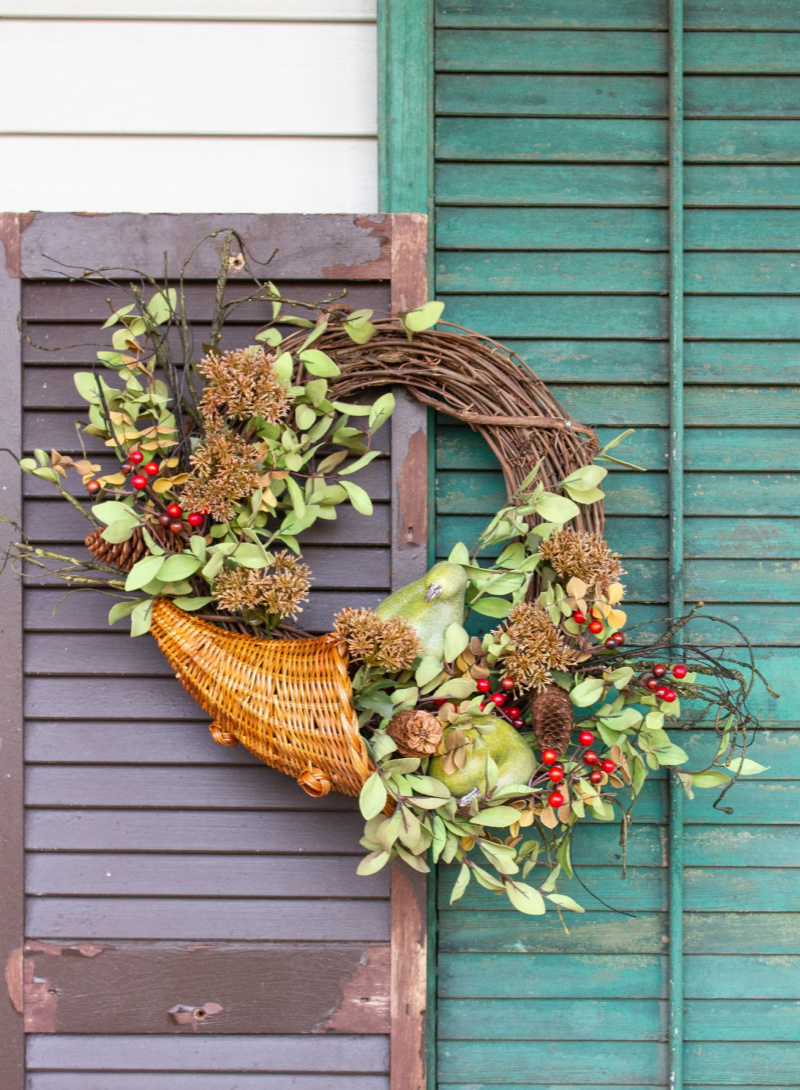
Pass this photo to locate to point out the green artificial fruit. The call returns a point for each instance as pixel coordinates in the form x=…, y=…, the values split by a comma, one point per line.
x=513, y=757
x=430, y=604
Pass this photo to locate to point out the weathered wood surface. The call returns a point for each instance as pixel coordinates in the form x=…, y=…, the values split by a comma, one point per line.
x=177, y=876
x=11, y=719
x=286, y=1053
x=552, y=217
x=258, y=989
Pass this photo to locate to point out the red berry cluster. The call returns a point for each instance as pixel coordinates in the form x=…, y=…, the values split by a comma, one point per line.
x=511, y=713
x=655, y=683
x=172, y=518
x=556, y=771
x=596, y=627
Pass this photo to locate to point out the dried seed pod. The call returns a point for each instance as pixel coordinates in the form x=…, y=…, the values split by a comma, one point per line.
x=417, y=733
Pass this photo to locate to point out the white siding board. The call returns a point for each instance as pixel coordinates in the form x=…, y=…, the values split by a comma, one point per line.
x=201, y=78
x=188, y=174
x=257, y=10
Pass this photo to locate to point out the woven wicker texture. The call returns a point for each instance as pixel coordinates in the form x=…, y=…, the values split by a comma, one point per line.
x=475, y=379
x=287, y=701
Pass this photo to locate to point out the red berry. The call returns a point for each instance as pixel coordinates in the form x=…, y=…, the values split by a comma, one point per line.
x=679, y=671
x=611, y=642
x=164, y=519
x=515, y=713
x=138, y=480
x=125, y=468
x=556, y=774
x=482, y=707
x=151, y=469
x=555, y=800
x=498, y=699
x=660, y=692
x=669, y=696
x=549, y=756
x=175, y=510
x=590, y=757
x=176, y=526
x=196, y=519
x=93, y=487
x=659, y=670
x=578, y=617
x=136, y=457
x=507, y=683
x=440, y=703
x=519, y=723
x=596, y=627
x=483, y=683
x=653, y=683
x=607, y=766
x=585, y=737
x=596, y=777
x=619, y=639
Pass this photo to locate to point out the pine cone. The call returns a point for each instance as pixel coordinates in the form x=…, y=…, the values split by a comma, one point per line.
x=124, y=554
x=551, y=718
x=417, y=733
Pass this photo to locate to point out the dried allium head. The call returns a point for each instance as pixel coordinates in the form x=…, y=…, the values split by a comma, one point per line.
x=242, y=384
x=539, y=646
x=392, y=644
x=224, y=470
x=577, y=553
x=279, y=590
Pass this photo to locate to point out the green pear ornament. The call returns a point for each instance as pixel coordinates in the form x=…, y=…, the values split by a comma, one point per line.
x=430, y=605
x=513, y=757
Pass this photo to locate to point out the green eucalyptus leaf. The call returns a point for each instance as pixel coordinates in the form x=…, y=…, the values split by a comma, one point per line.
x=456, y=639
x=563, y=901
x=381, y=410
x=526, y=898
x=373, y=797
x=143, y=572
x=121, y=609
x=141, y=615
x=415, y=321
x=555, y=508
x=358, y=497
x=491, y=607
x=372, y=863
x=587, y=692
x=318, y=363
x=179, y=566
x=191, y=603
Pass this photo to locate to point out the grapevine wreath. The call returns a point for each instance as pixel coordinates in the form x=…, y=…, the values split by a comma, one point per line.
x=481, y=713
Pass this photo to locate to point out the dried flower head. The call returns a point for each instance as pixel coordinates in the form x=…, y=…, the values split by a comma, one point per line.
x=391, y=644
x=586, y=556
x=224, y=470
x=538, y=646
x=242, y=384
x=280, y=589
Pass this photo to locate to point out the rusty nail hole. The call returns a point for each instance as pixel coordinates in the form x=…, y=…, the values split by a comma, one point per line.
x=199, y=1013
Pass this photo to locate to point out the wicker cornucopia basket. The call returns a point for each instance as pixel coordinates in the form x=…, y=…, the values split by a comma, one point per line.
x=287, y=701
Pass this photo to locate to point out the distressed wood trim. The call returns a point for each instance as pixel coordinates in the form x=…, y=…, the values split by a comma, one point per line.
x=405, y=105
x=12, y=1054
x=215, y=988
x=409, y=561
x=303, y=247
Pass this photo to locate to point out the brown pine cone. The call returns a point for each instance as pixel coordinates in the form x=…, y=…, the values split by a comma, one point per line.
x=551, y=718
x=124, y=554
x=417, y=733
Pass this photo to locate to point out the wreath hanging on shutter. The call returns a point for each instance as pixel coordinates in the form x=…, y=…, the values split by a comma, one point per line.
x=482, y=748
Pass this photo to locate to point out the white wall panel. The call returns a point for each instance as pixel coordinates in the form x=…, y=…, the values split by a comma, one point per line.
x=195, y=78
x=188, y=174
x=295, y=10
x=188, y=105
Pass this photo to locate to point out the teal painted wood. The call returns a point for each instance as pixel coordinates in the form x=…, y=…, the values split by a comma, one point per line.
x=552, y=1019
x=479, y=1062
x=678, y=573
x=614, y=271
x=405, y=103
x=536, y=192
x=618, y=14
x=614, y=229
x=518, y=184
x=614, y=52
x=717, y=97
x=539, y=139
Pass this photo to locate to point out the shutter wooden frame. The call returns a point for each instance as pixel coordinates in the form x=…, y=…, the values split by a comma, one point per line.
x=383, y=247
